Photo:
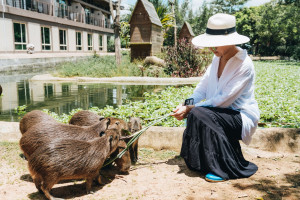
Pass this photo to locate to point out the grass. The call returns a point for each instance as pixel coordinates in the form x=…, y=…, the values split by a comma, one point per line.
x=103, y=66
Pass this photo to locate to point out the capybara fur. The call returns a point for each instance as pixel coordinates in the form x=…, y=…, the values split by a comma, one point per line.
x=134, y=126
x=32, y=118
x=124, y=162
x=65, y=159
x=44, y=132
x=85, y=118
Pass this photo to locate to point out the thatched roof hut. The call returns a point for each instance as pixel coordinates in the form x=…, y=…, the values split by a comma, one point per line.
x=145, y=31
x=186, y=32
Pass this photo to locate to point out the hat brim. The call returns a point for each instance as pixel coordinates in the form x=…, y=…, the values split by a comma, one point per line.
x=207, y=40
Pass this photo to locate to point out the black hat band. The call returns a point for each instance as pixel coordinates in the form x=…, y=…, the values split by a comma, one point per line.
x=220, y=31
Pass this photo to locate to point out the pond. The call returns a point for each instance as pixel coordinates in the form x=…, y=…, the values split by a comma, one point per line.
x=61, y=97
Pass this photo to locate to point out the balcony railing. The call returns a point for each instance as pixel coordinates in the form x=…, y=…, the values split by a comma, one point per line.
x=32, y=5
x=57, y=10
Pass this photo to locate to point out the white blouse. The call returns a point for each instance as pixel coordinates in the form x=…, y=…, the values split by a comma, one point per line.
x=234, y=90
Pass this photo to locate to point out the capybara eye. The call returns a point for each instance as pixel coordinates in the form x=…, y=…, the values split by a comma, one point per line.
x=110, y=138
x=117, y=122
x=102, y=133
x=101, y=118
x=116, y=137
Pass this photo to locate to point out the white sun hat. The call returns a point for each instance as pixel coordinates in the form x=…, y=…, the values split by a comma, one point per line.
x=220, y=31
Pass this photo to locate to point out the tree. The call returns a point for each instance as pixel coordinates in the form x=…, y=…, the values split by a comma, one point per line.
x=125, y=32
x=228, y=6
x=116, y=21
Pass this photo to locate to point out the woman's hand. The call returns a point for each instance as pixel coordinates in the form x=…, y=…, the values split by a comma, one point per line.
x=180, y=112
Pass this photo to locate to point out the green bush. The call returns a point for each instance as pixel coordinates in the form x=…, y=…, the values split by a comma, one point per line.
x=186, y=61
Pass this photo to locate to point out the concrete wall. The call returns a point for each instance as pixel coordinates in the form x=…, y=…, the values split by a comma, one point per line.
x=34, y=35
x=55, y=38
x=6, y=35
x=84, y=41
x=96, y=41
x=71, y=40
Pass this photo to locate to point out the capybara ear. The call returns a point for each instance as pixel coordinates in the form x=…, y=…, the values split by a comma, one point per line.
x=101, y=133
x=101, y=118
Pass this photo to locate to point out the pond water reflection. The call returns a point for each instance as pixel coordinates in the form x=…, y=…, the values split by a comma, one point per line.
x=63, y=97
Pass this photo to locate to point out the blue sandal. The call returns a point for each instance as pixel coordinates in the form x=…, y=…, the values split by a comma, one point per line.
x=213, y=178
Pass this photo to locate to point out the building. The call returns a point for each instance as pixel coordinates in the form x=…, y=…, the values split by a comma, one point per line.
x=186, y=32
x=54, y=25
x=145, y=31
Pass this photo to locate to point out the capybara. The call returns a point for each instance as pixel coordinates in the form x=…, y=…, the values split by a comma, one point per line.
x=32, y=118
x=124, y=162
x=44, y=132
x=85, y=118
x=134, y=126
x=65, y=159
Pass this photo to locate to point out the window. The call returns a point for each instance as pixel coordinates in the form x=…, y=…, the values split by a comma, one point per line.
x=78, y=41
x=100, y=42
x=20, y=36
x=46, y=41
x=62, y=39
x=90, y=42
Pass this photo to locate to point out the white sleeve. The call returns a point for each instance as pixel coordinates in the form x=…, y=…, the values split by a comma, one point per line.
x=200, y=90
x=231, y=91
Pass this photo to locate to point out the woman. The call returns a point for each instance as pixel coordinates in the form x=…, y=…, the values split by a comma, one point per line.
x=222, y=108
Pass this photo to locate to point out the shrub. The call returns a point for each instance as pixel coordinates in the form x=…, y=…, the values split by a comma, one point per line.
x=186, y=61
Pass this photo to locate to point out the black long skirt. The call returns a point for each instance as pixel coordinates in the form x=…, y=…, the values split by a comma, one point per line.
x=211, y=143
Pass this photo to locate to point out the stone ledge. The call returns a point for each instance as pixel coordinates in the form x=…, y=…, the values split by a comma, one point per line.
x=158, y=138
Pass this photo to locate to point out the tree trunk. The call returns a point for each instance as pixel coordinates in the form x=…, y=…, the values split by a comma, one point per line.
x=118, y=45
x=116, y=20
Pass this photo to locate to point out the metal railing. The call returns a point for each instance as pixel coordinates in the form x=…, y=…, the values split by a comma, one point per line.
x=32, y=5
x=57, y=10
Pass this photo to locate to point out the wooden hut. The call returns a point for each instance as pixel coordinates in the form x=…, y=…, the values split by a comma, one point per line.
x=145, y=31
x=186, y=32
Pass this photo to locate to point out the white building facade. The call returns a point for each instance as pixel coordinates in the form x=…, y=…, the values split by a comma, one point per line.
x=54, y=25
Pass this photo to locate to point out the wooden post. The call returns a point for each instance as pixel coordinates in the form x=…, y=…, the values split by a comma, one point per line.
x=116, y=20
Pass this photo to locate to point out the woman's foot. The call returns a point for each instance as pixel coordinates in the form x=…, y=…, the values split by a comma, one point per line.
x=213, y=178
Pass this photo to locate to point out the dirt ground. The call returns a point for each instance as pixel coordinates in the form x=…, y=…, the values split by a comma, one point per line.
x=161, y=175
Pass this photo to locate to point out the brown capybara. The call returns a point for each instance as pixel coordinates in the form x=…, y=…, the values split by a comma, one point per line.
x=124, y=162
x=85, y=118
x=65, y=159
x=32, y=118
x=134, y=126
x=44, y=132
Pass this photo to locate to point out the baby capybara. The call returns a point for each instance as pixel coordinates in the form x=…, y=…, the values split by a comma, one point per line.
x=86, y=118
x=134, y=126
x=32, y=118
x=65, y=159
x=44, y=132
